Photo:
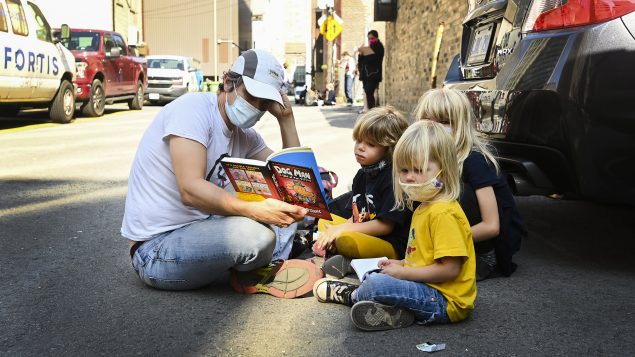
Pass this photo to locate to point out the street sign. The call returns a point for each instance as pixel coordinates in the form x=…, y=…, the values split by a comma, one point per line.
x=331, y=28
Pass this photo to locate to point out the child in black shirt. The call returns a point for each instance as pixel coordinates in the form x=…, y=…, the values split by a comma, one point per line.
x=375, y=229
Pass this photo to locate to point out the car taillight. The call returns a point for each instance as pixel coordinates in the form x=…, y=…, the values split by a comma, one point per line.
x=556, y=14
x=80, y=68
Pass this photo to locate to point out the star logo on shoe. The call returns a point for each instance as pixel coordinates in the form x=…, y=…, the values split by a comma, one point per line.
x=377, y=316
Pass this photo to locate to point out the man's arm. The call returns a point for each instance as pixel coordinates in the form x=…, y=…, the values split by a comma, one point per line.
x=189, y=161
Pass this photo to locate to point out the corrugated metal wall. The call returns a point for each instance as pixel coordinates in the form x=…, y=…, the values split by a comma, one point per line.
x=186, y=28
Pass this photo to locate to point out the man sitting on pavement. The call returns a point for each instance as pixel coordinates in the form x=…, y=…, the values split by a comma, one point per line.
x=184, y=228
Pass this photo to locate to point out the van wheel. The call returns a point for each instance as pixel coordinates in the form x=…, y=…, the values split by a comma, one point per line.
x=97, y=101
x=136, y=103
x=63, y=105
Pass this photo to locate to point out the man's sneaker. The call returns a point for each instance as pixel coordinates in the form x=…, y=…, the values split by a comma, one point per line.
x=373, y=316
x=337, y=266
x=329, y=290
x=284, y=278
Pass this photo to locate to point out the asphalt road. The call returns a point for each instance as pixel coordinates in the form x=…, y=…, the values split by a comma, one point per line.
x=67, y=287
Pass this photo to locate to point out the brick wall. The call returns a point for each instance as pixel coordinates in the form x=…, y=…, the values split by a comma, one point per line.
x=410, y=42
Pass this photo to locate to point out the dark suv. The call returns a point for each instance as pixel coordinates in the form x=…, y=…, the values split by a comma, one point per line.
x=553, y=89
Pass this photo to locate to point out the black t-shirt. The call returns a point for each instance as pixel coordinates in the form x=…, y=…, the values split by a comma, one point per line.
x=373, y=198
x=478, y=173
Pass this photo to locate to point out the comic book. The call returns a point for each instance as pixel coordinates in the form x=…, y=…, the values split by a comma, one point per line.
x=290, y=175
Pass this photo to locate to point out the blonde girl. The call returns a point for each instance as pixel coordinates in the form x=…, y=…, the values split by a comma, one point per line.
x=435, y=283
x=374, y=229
x=497, y=228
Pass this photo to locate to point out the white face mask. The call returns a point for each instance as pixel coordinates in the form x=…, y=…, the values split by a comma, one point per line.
x=241, y=113
x=422, y=192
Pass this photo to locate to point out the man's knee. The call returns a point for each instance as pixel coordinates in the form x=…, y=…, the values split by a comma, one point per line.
x=254, y=234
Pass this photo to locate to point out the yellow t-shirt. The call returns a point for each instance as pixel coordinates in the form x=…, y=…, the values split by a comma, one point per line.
x=442, y=230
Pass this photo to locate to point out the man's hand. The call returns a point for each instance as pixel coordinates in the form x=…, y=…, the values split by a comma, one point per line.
x=278, y=213
x=281, y=112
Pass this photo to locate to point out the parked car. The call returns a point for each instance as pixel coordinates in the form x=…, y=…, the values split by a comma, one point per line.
x=169, y=77
x=107, y=71
x=36, y=70
x=552, y=86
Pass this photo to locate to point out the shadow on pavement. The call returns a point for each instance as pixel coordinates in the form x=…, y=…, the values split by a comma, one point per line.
x=40, y=116
x=340, y=116
x=68, y=287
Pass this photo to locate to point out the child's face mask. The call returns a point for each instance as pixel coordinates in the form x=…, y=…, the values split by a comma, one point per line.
x=422, y=192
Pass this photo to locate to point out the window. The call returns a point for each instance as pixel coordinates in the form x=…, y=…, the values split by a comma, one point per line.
x=119, y=43
x=109, y=43
x=3, y=20
x=43, y=30
x=84, y=41
x=18, y=20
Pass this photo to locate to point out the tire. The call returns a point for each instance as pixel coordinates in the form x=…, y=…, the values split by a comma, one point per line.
x=63, y=105
x=136, y=103
x=97, y=100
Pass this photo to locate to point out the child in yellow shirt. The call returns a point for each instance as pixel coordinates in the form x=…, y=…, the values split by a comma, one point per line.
x=435, y=283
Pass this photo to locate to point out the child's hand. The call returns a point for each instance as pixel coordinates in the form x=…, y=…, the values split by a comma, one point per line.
x=394, y=269
x=327, y=238
x=386, y=262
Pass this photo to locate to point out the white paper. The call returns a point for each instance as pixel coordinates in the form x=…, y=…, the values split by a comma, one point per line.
x=362, y=266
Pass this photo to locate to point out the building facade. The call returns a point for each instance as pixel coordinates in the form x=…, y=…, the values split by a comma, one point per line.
x=123, y=16
x=414, y=61
x=212, y=32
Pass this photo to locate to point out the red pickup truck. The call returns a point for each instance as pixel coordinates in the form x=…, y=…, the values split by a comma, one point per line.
x=107, y=71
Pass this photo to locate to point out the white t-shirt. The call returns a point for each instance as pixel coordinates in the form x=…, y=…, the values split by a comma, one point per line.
x=153, y=203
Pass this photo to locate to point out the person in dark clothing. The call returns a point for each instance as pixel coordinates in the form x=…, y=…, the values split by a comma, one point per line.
x=486, y=199
x=369, y=65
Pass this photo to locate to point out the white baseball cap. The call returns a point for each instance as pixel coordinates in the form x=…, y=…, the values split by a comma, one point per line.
x=262, y=74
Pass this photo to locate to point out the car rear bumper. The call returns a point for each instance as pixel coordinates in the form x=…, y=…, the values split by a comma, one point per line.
x=563, y=102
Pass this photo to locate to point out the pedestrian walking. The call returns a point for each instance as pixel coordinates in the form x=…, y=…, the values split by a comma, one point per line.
x=349, y=66
x=370, y=62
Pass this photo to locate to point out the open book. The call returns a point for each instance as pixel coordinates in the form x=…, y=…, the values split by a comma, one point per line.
x=291, y=175
x=363, y=266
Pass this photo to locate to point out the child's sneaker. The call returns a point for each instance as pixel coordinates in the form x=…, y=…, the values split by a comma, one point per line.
x=337, y=266
x=284, y=278
x=373, y=316
x=329, y=290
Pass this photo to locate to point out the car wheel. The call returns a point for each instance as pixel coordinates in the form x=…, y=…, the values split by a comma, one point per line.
x=63, y=105
x=97, y=101
x=136, y=103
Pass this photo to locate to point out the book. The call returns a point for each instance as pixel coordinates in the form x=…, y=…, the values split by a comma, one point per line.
x=364, y=266
x=290, y=175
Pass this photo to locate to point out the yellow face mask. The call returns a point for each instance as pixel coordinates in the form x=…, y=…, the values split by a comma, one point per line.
x=422, y=192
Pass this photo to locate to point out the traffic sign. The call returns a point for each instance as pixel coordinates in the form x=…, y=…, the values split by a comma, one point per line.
x=331, y=28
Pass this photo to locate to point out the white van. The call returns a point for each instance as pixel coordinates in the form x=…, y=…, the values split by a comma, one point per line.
x=35, y=70
x=169, y=77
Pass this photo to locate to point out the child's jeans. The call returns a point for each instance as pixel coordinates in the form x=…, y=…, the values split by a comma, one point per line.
x=194, y=256
x=427, y=303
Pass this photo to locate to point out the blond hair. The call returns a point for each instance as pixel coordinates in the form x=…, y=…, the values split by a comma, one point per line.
x=422, y=142
x=450, y=106
x=381, y=126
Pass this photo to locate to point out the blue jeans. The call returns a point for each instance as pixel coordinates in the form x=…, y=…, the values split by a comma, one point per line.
x=428, y=304
x=194, y=256
x=349, y=79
